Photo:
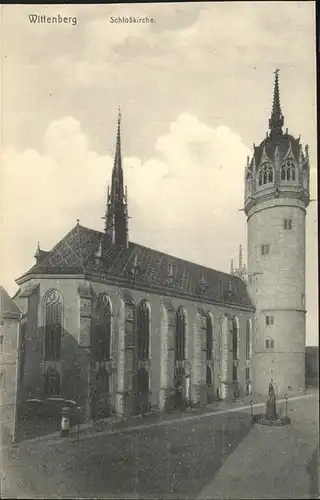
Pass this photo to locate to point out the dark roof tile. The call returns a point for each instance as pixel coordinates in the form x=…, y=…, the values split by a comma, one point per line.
x=75, y=253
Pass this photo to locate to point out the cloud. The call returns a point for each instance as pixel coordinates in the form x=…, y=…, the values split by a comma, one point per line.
x=185, y=200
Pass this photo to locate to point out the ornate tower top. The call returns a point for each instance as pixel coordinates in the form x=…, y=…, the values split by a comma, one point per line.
x=116, y=218
x=279, y=167
x=276, y=121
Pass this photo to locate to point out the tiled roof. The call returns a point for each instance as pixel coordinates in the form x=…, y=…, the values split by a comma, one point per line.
x=139, y=266
x=282, y=141
x=7, y=306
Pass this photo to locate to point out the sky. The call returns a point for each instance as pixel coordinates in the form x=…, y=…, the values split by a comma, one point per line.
x=195, y=91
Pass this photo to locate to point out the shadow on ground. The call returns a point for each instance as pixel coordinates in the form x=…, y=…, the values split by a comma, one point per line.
x=173, y=461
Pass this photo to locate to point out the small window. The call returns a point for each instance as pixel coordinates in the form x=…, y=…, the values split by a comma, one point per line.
x=1, y=343
x=272, y=344
x=287, y=224
x=265, y=249
x=269, y=320
x=267, y=343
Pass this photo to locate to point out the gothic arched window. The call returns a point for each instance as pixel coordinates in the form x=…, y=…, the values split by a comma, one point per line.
x=288, y=171
x=209, y=329
x=53, y=325
x=209, y=376
x=249, y=339
x=180, y=335
x=265, y=174
x=143, y=330
x=235, y=339
x=101, y=339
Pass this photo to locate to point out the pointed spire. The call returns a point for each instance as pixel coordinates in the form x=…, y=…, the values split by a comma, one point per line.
x=116, y=211
x=240, y=257
x=276, y=120
x=117, y=158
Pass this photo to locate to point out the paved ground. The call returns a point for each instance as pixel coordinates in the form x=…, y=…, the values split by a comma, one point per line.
x=274, y=462
x=173, y=461
x=217, y=456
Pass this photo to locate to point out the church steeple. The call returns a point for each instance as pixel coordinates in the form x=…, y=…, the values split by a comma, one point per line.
x=276, y=120
x=116, y=218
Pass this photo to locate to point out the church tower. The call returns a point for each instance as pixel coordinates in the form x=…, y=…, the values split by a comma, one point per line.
x=116, y=216
x=276, y=198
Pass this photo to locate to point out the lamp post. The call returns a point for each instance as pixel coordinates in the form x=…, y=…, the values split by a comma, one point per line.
x=286, y=398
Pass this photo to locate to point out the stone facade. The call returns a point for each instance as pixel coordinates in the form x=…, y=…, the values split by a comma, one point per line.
x=276, y=198
x=77, y=372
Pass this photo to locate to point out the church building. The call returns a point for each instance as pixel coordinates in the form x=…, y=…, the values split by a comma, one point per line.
x=109, y=323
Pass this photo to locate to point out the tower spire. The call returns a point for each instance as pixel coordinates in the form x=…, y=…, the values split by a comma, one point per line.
x=240, y=256
x=276, y=119
x=116, y=210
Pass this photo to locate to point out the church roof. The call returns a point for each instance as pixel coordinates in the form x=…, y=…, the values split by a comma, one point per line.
x=280, y=141
x=7, y=306
x=78, y=251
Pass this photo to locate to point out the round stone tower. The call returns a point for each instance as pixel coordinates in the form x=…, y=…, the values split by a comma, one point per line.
x=276, y=198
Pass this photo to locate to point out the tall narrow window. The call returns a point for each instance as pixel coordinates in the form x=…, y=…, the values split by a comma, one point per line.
x=249, y=339
x=180, y=335
x=267, y=343
x=209, y=328
x=53, y=325
x=288, y=171
x=235, y=339
x=143, y=330
x=101, y=322
x=265, y=175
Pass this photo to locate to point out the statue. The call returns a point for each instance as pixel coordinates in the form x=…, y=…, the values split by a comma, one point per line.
x=271, y=413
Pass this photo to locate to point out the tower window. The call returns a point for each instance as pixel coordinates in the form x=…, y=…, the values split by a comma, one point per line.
x=265, y=175
x=288, y=171
x=272, y=344
x=287, y=224
x=267, y=343
x=265, y=249
x=269, y=320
